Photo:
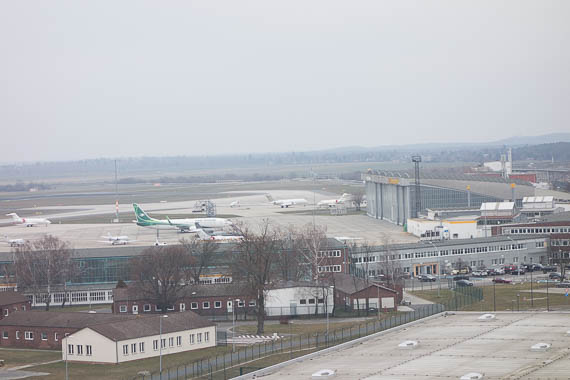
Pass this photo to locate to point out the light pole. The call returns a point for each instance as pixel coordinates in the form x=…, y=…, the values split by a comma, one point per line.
x=438, y=268
x=160, y=341
x=235, y=302
x=67, y=339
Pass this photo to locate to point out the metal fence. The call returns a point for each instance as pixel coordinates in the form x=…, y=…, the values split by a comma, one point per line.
x=252, y=357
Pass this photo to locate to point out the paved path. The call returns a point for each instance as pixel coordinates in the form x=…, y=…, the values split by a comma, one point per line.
x=415, y=299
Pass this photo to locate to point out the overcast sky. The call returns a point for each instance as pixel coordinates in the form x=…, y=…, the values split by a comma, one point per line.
x=83, y=79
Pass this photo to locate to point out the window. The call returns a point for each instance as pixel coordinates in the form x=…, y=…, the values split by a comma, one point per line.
x=5, y=335
x=125, y=349
x=141, y=347
x=17, y=335
x=241, y=303
x=156, y=308
x=192, y=338
x=55, y=337
x=179, y=341
x=6, y=312
x=70, y=349
x=182, y=306
x=206, y=336
x=199, y=338
x=88, y=350
x=194, y=305
x=170, y=308
x=321, y=300
x=123, y=309
x=171, y=342
x=133, y=348
x=205, y=305
x=79, y=349
x=146, y=307
x=163, y=343
x=303, y=302
x=252, y=303
x=218, y=304
x=29, y=335
x=155, y=344
x=23, y=307
x=44, y=336
x=311, y=301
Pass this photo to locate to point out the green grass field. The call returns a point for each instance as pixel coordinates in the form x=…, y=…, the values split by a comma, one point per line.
x=505, y=297
x=15, y=358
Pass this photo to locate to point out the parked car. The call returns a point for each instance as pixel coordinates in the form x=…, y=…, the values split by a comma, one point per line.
x=460, y=277
x=555, y=276
x=501, y=280
x=427, y=278
x=460, y=271
x=496, y=271
x=509, y=268
x=480, y=273
x=564, y=284
x=548, y=268
x=464, y=283
x=518, y=272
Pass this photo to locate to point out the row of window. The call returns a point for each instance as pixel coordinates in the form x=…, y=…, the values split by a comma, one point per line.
x=536, y=230
x=7, y=310
x=447, y=252
x=561, y=242
x=192, y=338
x=73, y=297
x=133, y=348
x=193, y=306
x=333, y=253
x=329, y=268
x=311, y=301
x=78, y=349
x=29, y=335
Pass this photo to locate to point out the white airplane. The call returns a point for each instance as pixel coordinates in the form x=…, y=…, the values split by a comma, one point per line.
x=183, y=225
x=15, y=242
x=205, y=236
x=28, y=222
x=116, y=240
x=234, y=204
x=333, y=202
x=285, y=203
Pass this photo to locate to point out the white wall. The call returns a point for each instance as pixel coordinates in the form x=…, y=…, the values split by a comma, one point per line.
x=465, y=229
x=287, y=301
x=108, y=351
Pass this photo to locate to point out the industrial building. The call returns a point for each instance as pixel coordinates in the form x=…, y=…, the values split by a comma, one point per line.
x=391, y=195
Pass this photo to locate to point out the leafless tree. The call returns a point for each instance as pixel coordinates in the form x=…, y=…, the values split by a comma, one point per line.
x=163, y=274
x=254, y=262
x=200, y=254
x=289, y=259
x=358, y=198
x=387, y=263
x=42, y=264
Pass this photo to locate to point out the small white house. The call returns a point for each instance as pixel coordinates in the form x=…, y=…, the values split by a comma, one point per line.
x=140, y=338
x=299, y=299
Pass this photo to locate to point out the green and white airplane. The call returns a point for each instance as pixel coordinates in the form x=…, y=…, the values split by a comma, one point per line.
x=183, y=225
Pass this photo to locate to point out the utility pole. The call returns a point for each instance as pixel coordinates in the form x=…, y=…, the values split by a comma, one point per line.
x=116, y=195
x=416, y=160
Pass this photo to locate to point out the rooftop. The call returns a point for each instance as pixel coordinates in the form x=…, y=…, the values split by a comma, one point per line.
x=10, y=297
x=448, y=347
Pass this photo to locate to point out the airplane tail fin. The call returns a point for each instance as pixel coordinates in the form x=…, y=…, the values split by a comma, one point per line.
x=14, y=216
x=269, y=197
x=141, y=215
x=202, y=234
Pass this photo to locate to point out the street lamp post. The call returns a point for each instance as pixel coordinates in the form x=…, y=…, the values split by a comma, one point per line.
x=67, y=339
x=160, y=340
x=235, y=302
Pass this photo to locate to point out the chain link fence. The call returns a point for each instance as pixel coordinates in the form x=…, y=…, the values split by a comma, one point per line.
x=255, y=356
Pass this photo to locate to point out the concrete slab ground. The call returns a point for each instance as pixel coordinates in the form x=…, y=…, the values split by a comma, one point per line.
x=450, y=347
x=253, y=210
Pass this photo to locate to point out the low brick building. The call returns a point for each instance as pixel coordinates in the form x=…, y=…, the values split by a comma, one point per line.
x=11, y=301
x=45, y=330
x=355, y=293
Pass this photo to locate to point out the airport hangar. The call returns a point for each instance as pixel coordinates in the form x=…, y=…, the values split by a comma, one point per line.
x=101, y=268
x=456, y=345
x=391, y=194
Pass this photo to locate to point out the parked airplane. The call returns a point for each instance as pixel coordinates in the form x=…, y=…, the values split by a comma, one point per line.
x=15, y=242
x=234, y=204
x=285, y=203
x=28, y=222
x=183, y=225
x=333, y=202
x=116, y=240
